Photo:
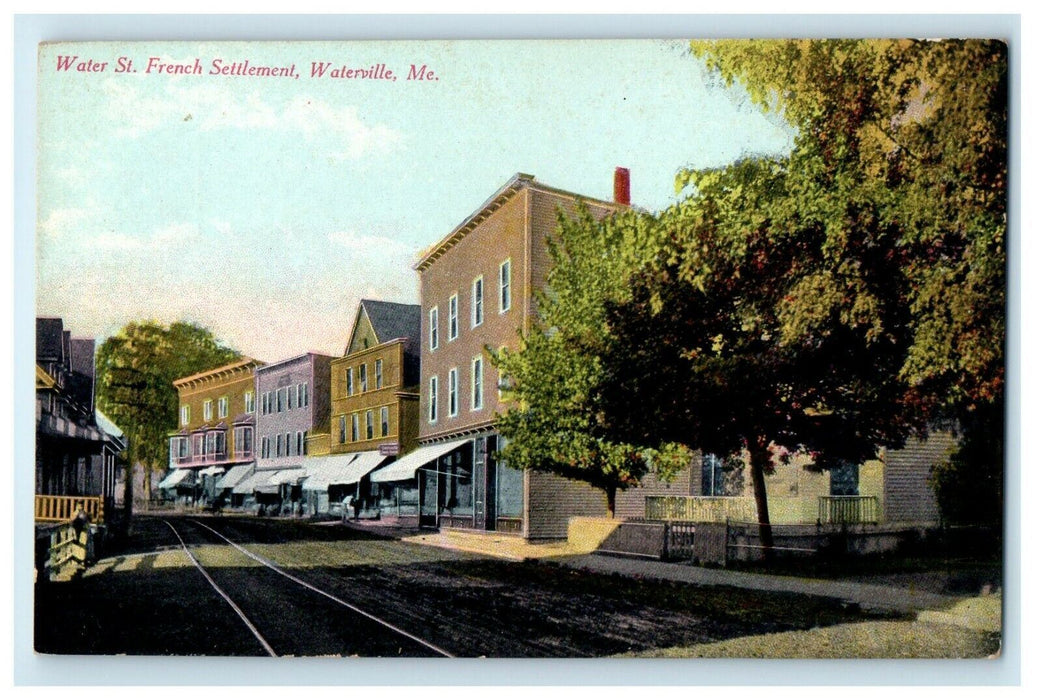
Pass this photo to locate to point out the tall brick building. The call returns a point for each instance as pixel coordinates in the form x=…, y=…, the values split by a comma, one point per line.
x=477, y=291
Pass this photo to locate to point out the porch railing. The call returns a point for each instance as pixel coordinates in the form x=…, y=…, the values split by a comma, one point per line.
x=699, y=509
x=62, y=509
x=848, y=509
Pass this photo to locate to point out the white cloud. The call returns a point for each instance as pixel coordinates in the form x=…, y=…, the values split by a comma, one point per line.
x=162, y=238
x=209, y=106
x=63, y=222
x=361, y=243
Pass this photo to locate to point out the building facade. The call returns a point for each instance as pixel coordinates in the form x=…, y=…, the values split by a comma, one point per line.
x=477, y=291
x=292, y=404
x=78, y=449
x=216, y=427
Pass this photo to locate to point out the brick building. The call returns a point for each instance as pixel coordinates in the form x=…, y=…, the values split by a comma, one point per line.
x=477, y=291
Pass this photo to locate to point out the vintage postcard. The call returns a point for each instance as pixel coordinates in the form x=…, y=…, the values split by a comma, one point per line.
x=558, y=348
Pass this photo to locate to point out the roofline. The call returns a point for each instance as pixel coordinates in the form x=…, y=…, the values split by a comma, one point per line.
x=340, y=360
x=217, y=371
x=293, y=359
x=517, y=183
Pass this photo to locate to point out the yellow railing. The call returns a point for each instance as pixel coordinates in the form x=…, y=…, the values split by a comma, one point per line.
x=848, y=509
x=62, y=509
x=699, y=509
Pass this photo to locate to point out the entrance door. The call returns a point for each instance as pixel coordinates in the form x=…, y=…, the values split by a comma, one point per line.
x=491, y=471
x=428, y=480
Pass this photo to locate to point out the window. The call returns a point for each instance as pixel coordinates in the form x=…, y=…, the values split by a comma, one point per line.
x=363, y=377
x=280, y=400
x=385, y=421
x=354, y=427
x=477, y=306
x=289, y=398
x=350, y=381
x=378, y=371
x=222, y=444
x=300, y=442
x=453, y=317
x=222, y=407
x=343, y=429
x=305, y=443
x=477, y=398
x=265, y=404
x=453, y=392
x=504, y=286
x=186, y=414
x=198, y=445
x=368, y=425
x=208, y=409
x=244, y=441
x=288, y=444
x=278, y=445
x=302, y=395
x=432, y=318
x=265, y=447
x=247, y=402
x=211, y=444
x=432, y=400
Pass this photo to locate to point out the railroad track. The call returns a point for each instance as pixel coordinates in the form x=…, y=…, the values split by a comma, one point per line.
x=252, y=596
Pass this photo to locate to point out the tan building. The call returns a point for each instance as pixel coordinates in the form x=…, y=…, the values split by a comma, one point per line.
x=477, y=291
x=374, y=403
x=216, y=416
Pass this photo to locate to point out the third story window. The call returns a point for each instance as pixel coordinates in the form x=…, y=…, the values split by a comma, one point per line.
x=504, y=286
x=432, y=318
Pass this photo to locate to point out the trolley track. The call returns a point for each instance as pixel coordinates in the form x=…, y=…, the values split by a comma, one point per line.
x=287, y=615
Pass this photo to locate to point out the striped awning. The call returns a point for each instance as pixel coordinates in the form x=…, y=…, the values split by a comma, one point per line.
x=234, y=476
x=340, y=470
x=251, y=482
x=176, y=477
x=405, y=468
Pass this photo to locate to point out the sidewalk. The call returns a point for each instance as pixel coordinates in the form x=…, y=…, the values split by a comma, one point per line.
x=514, y=548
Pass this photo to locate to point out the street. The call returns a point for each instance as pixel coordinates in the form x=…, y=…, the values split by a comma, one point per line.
x=293, y=588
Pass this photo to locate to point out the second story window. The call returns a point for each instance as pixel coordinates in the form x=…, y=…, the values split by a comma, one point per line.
x=368, y=425
x=432, y=400
x=354, y=427
x=186, y=415
x=247, y=401
x=378, y=372
x=453, y=392
x=385, y=421
x=363, y=377
x=280, y=400
x=453, y=317
x=504, y=286
x=278, y=445
x=208, y=409
x=477, y=396
x=432, y=318
x=343, y=429
x=302, y=395
x=350, y=376
x=222, y=407
x=477, y=302
x=289, y=398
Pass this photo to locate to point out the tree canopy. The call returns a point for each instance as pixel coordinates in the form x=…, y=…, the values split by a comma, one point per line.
x=135, y=373
x=553, y=424
x=833, y=301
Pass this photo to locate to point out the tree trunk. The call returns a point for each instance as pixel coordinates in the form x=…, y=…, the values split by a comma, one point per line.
x=146, y=490
x=610, y=492
x=760, y=459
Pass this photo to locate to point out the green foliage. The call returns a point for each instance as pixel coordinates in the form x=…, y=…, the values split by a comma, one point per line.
x=553, y=424
x=135, y=373
x=969, y=484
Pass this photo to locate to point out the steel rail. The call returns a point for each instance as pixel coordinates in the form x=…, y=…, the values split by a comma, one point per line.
x=325, y=594
x=227, y=599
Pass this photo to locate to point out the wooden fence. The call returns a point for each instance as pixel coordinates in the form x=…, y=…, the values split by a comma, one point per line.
x=62, y=509
x=699, y=509
x=848, y=509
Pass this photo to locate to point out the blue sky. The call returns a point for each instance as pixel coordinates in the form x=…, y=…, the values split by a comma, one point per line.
x=265, y=208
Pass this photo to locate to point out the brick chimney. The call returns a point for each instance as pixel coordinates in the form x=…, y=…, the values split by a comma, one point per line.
x=622, y=186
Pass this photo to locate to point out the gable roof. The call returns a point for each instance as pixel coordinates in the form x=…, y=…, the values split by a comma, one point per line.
x=389, y=320
x=49, y=339
x=82, y=356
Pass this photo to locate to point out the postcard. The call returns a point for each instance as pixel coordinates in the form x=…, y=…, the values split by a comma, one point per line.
x=512, y=349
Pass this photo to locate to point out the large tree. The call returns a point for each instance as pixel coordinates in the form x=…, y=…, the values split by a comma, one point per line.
x=135, y=373
x=553, y=425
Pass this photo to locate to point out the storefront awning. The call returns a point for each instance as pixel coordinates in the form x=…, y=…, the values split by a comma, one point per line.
x=340, y=470
x=176, y=477
x=211, y=471
x=234, y=476
x=251, y=482
x=405, y=468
